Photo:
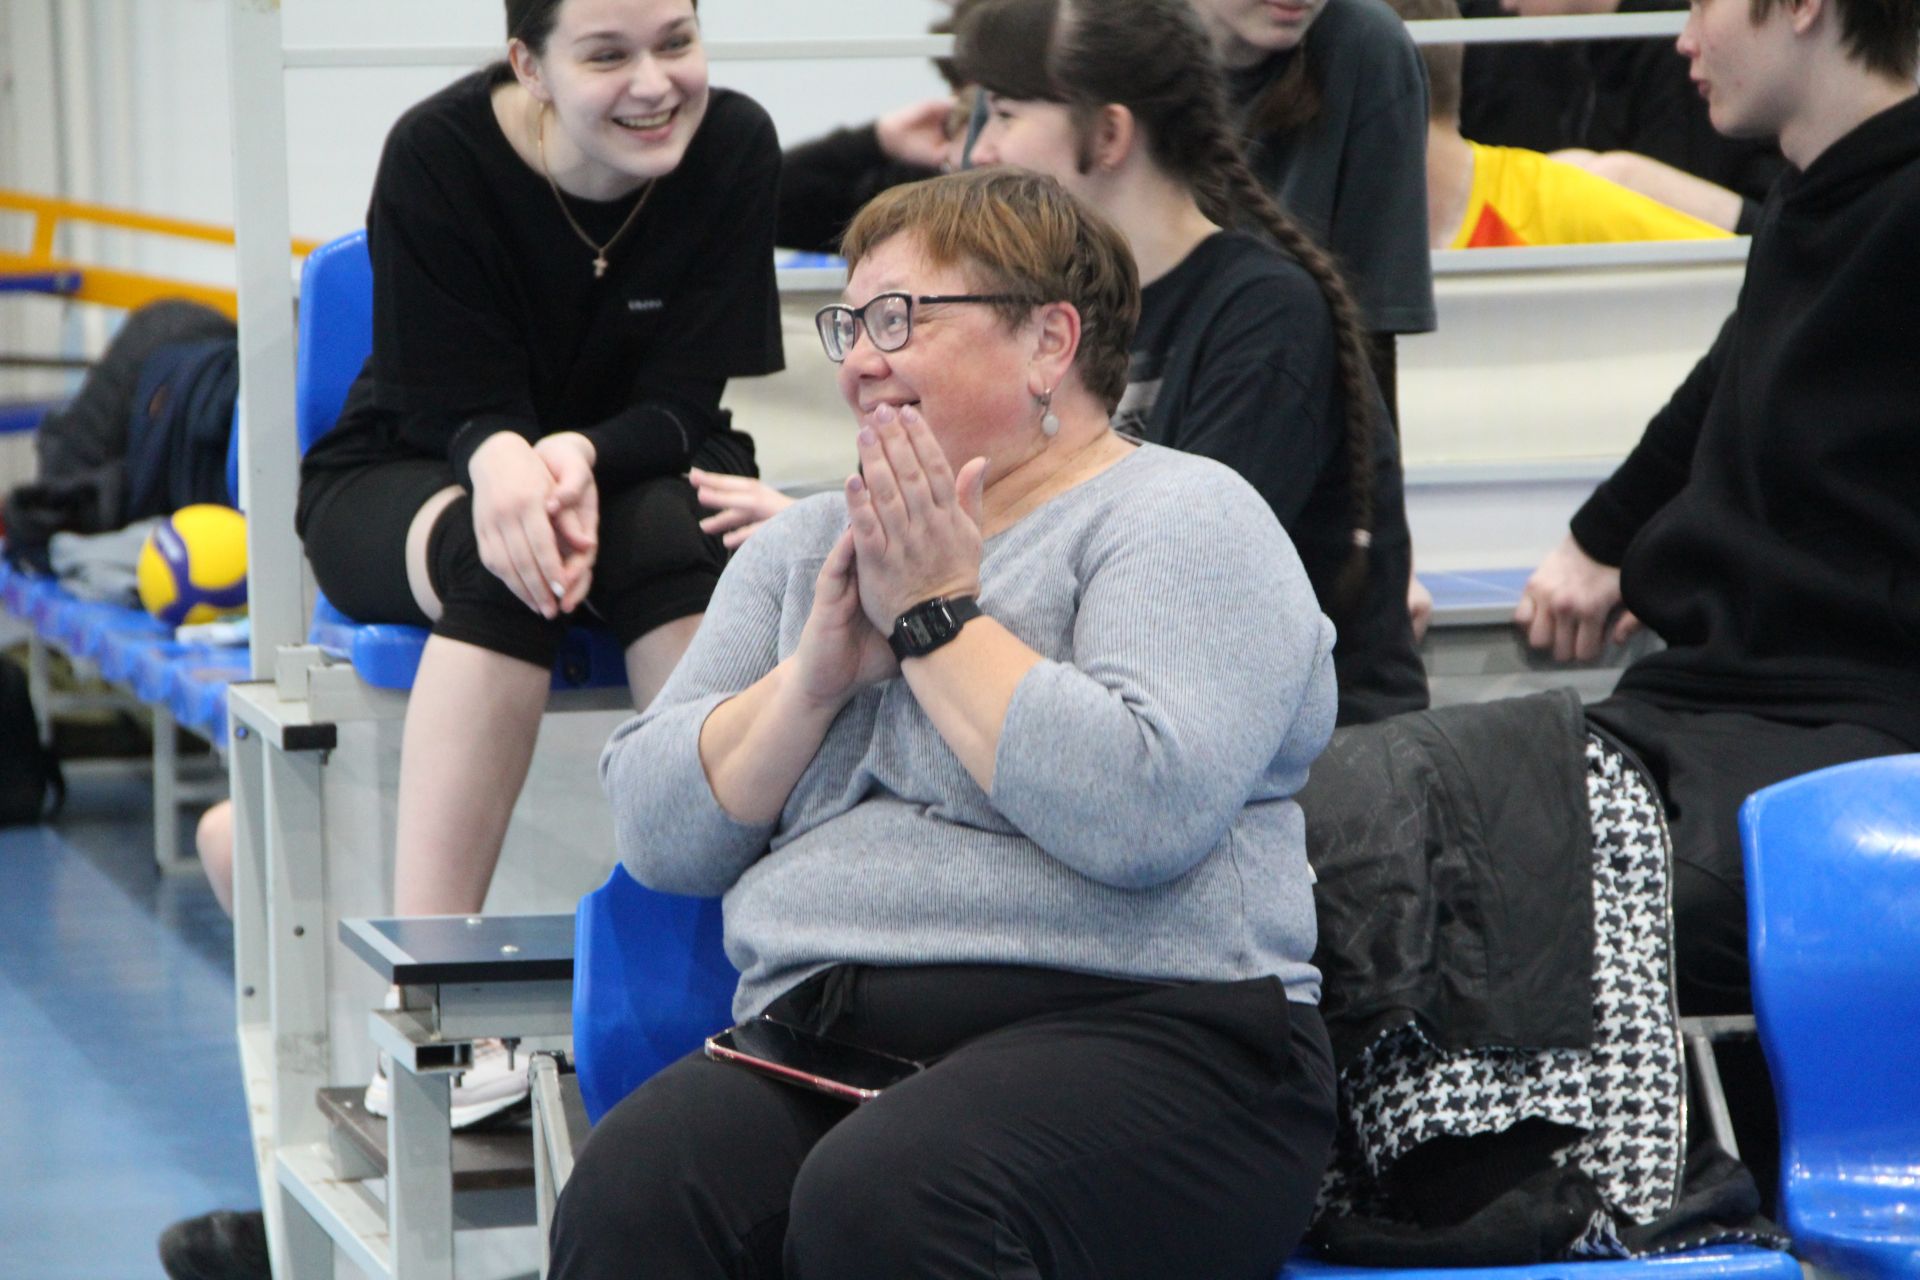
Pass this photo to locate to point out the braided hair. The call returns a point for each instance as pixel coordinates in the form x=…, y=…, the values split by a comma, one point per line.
x=1155, y=58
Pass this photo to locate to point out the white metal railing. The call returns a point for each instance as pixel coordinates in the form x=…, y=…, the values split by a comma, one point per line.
x=1609, y=26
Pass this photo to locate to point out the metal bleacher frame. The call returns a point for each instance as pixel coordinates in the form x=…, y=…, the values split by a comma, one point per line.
x=285, y=718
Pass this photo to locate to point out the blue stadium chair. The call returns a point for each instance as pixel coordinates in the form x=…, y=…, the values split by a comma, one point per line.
x=335, y=333
x=334, y=340
x=1833, y=910
x=650, y=983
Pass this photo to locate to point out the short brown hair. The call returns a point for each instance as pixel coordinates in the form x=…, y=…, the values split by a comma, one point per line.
x=1445, y=62
x=1884, y=35
x=1021, y=234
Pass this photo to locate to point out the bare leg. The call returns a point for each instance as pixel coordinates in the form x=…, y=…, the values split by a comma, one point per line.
x=213, y=838
x=471, y=723
x=472, y=719
x=651, y=658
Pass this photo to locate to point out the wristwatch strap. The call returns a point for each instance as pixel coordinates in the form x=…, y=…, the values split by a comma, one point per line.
x=930, y=624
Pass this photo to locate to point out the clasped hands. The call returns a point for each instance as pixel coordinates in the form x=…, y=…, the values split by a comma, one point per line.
x=536, y=517
x=913, y=532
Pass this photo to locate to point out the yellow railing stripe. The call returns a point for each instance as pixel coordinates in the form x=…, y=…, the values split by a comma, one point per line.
x=110, y=286
x=48, y=210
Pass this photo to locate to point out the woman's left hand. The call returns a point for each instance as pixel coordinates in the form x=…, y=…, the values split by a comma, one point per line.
x=916, y=526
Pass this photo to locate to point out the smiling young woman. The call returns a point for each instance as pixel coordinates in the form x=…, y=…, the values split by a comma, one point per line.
x=572, y=253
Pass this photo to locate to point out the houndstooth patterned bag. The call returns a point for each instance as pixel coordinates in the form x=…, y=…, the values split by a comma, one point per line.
x=1626, y=1093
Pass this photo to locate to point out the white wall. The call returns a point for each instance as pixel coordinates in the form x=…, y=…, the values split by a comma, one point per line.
x=142, y=118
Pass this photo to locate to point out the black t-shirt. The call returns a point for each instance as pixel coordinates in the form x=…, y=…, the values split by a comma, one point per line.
x=1355, y=175
x=1235, y=359
x=487, y=315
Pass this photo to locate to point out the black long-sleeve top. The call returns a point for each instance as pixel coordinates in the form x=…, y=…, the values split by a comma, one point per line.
x=487, y=315
x=823, y=183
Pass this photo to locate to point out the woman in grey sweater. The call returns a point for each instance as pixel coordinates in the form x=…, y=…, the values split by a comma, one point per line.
x=992, y=757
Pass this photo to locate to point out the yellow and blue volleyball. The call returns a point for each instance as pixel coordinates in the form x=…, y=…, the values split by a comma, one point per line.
x=193, y=567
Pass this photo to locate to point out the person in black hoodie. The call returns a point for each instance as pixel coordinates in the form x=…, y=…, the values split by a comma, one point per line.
x=1766, y=526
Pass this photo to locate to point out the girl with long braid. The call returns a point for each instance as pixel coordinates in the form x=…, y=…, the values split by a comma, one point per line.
x=1250, y=349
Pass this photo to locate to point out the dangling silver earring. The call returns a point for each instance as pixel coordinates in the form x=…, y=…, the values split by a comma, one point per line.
x=1049, y=420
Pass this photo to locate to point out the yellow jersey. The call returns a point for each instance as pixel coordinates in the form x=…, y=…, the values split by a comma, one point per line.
x=1526, y=198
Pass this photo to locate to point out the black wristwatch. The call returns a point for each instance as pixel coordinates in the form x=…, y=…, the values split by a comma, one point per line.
x=930, y=624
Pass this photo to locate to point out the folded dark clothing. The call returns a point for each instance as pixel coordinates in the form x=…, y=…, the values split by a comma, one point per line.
x=1454, y=856
x=1536, y=1221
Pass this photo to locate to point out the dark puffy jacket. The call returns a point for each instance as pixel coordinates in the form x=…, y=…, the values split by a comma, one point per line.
x=1455, y=864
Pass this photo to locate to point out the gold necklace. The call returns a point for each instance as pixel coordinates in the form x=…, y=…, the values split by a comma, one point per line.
x=599, y=250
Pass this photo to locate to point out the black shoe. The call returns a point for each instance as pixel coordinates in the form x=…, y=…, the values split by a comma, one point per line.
x=222, y=1245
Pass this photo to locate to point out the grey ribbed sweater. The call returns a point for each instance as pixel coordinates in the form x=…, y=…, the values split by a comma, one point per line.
x=1141, y=823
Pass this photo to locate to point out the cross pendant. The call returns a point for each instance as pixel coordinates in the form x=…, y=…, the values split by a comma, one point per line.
x=600, y=266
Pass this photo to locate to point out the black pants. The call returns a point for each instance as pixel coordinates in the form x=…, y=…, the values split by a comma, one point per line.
x=1706, y=763
x=1068, y=1126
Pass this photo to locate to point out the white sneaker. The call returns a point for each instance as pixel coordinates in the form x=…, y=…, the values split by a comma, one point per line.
x=496, y=1082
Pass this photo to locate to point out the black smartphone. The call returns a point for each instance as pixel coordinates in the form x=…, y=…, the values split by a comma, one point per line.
x=812, y=1061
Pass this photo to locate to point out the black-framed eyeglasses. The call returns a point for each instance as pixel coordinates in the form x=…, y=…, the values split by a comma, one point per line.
x=887, y=318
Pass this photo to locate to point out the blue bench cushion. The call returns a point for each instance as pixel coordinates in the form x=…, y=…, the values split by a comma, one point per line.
x=1476, y=588
x=25, y=415
x=1727, y=1262
x=387, y=654
x=132, y=649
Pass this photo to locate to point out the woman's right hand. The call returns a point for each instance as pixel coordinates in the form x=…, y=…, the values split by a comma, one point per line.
x=839, y=653
x=742, y=504
x=511, y=485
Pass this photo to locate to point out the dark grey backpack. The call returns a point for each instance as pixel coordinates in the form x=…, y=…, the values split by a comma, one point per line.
x=31, y=788
x=81, y=485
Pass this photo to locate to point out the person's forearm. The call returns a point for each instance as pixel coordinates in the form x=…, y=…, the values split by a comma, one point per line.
x=755, y=746
x=965, y=687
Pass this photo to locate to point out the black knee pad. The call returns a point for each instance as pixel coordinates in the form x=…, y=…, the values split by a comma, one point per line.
x=654, y=564
x=475, y=606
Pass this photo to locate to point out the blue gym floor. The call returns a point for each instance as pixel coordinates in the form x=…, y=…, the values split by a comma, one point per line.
x=120, y=1097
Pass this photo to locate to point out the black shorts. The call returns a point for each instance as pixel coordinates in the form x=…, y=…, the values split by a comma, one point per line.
x=654, y=564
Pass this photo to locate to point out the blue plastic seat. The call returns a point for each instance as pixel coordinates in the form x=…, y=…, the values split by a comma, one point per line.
x=1833, y=910
x=650, y=983
x=335, y=333
x=335, y=338
x=25, y=415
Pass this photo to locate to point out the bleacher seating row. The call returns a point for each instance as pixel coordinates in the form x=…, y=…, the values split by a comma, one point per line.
x=334, y=336
x=1830, y=858
x=18, y=416
x=132, y=649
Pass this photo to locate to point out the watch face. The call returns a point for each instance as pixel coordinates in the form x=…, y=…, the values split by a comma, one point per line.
x=928, y=625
